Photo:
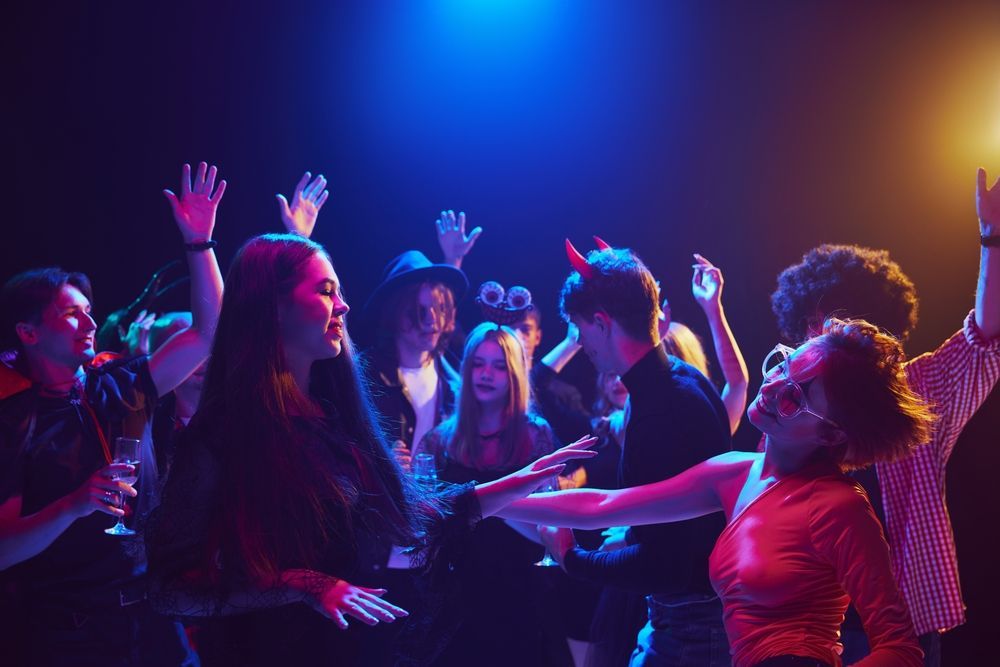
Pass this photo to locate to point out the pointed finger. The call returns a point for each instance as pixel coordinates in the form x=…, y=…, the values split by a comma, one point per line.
x=378, y=592
x=210, y=180
x=981, y=182
x=283, y=205
x=185, y=179
x=310, y=190
x=439, y=223
x=217, y=197
x=322, y=199
x=199, y=179
x=318, y=188
x=461, y=222
x=303, y=182
x=473, y=236
x=338, y=618
x=357, y=611
x=390, y=607
x=172, y=198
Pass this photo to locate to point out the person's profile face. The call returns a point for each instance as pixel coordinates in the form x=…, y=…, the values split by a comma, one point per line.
x=65, y=332
x=311, y=317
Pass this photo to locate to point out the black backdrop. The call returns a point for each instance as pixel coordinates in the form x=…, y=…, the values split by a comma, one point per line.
x=748, y=132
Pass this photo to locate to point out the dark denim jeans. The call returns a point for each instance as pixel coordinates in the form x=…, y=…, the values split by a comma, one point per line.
x=683, y=632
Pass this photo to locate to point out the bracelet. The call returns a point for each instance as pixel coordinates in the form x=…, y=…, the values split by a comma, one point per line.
x=990, y=241
x=199, y=246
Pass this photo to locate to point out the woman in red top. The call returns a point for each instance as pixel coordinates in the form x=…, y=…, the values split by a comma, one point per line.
x=802, y=540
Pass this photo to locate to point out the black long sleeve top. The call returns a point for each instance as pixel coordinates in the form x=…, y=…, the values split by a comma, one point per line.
x=676, y=420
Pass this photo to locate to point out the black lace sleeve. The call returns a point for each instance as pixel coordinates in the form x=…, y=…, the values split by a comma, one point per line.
x=428, y=631
x=187, y=575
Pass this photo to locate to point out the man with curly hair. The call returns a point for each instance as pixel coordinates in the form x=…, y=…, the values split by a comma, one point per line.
x=909, y=495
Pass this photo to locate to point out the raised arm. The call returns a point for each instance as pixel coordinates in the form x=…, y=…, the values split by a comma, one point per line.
x=706, y=287
x=455, y=245
x=988, y=287
x=194, y=213
x=693, y=493
x=299, y=216
x=565, y=350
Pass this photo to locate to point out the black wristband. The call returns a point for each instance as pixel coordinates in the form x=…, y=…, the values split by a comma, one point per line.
x=200, y=245
x=990, y=241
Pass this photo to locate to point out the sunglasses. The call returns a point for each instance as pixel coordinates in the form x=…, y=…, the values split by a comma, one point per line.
x=790, y=397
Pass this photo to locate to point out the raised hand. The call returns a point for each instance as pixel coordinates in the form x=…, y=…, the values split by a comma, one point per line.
x=137, y=339
x=299, y=217
x=706, y=283
x=194, y=210
x=451, y=237
x=988, y=205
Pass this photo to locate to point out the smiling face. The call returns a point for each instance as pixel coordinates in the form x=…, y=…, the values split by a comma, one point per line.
x=311, y=317
x=490, y=375
x=804, y=431
x=65, y=332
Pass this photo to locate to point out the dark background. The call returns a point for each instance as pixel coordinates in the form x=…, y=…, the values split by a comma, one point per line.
x=748, y=132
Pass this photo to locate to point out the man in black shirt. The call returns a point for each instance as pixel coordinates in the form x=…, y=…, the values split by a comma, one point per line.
x=675, y=420
x=81, y=591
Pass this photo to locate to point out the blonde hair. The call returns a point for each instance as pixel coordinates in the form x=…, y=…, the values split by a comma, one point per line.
x=684, y=344
x=461, y=431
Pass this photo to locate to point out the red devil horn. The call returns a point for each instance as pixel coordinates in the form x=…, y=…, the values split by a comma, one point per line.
x=578, y=261
x=601, y=243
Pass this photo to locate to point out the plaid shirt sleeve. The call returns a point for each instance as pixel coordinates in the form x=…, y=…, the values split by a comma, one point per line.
x=955, y=379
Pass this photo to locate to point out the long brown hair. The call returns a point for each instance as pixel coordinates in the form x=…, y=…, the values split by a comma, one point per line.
x=277, y=506
x=461, y=430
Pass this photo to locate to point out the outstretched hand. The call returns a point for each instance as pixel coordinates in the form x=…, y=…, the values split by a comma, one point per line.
x=299, y=217
x=194, y=211
x=454, y=243
x=988, y=205
x=494, y=496
x=706, y=283
x=337, y=599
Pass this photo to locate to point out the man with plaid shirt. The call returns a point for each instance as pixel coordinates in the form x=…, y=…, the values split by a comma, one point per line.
x=955, y=379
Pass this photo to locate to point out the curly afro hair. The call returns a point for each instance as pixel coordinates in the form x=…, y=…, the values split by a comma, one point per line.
x=845, y=281
x=869, y=395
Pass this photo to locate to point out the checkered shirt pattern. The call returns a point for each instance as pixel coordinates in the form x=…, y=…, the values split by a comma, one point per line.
x=955, y=379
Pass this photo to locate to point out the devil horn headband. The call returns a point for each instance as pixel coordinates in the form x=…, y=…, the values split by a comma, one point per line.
x=579, y=262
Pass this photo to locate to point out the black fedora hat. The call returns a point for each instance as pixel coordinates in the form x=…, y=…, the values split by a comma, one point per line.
x=413, y=267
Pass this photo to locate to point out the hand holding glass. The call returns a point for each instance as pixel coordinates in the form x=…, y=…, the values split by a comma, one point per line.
x=126, y=451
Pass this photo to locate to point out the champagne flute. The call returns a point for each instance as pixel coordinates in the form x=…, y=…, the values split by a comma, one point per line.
x=547, y=560
x=126, y=451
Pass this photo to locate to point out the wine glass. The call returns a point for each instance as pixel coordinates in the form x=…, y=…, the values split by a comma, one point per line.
x=126, y=451
x=547, y=560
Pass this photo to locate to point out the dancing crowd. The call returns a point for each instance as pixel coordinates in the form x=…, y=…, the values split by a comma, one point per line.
x=239, y=483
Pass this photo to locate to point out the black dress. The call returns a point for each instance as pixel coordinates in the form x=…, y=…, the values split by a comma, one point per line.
x=502, y=593
x=268, y=630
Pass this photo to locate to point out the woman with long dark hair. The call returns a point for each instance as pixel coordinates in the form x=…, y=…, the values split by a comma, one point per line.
x=283, y=476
